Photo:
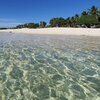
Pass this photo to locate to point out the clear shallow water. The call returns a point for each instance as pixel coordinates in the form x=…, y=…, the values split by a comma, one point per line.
x=35, y=67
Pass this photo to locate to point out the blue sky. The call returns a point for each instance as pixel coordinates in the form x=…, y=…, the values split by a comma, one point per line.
x=14, y=12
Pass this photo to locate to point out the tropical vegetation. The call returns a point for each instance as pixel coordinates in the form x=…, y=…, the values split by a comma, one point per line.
x=89, y=18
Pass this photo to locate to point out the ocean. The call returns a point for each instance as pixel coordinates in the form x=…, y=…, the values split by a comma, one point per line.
x=49, y=67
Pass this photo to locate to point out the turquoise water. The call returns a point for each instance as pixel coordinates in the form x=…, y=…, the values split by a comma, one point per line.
x=41, y=67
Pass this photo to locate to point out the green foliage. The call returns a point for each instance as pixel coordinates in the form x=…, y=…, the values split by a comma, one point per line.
x=99, y=19
x=43, y=24
x=87, y=18
x=94, y=10
x=3, y=28
x=57, y=22
x=28, y=25
x=84, y=13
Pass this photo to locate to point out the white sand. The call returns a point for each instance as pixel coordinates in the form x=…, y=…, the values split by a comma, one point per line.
x=57, y=31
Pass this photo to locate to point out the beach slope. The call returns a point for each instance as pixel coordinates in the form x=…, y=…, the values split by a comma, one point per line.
x=56, y=31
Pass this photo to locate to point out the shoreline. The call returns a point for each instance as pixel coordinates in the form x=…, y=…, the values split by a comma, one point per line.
x=56, y=31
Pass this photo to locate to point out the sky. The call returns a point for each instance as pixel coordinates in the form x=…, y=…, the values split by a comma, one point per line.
x=14, y=12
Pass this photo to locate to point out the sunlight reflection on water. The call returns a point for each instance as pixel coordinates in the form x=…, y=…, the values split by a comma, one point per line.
x=41, y=67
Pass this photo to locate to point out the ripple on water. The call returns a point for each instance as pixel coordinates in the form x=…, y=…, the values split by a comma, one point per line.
x=50, y=69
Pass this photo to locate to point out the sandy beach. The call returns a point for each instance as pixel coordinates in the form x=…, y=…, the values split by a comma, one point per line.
x=56, y=31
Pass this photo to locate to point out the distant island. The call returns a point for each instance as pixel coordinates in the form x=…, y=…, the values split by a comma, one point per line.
x=89, y=19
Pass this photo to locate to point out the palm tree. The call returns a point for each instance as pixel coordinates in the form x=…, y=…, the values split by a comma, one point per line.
x=43, y=24
x=76, y=16
x=94, y=10
x=68, y=20
x=84, y=13
x=73, y=21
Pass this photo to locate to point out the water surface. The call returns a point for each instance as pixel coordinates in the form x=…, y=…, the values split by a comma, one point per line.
x=42, y=67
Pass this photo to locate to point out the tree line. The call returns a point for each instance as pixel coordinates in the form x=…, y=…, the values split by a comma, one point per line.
x=88, y=18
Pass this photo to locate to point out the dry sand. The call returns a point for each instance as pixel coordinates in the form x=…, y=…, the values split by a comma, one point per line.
x=57, y=31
